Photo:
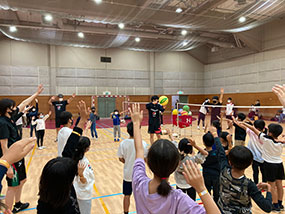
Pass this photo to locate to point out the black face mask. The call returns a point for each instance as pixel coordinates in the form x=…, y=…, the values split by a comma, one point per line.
x=215, y=101
x=12, y=113
x=93, y=110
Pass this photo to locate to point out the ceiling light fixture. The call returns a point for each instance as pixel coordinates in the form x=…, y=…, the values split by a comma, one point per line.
x=178, y=10
x=48, y=17
x=80, y=35
x=121, y=25
x=242, y=19
x=183, y=32
x=12, y=29
x=137, y=39
x=98, y=1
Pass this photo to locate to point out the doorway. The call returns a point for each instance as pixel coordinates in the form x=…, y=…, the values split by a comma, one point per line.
x=106, y=105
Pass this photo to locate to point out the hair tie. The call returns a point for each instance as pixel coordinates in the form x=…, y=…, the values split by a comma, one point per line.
x=163, y=178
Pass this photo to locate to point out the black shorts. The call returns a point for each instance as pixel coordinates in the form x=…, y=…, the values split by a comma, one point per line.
x=127, y=188
x=57, y=122
x=19, y=174
x=154, y=128
x=273, y=171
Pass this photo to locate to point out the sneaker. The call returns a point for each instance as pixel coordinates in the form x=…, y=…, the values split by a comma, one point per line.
x=115, y=140
x=118, y=139
x=96, y=138
x=204, y=127
x=198, y=127
x=43, y=147
x=276, y=209
x=281, y=207
x=40, y=148
x=21, y=207
x=55, y=140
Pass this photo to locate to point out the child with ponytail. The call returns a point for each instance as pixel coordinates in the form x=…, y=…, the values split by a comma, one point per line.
x=155, y=195
x=84, y=180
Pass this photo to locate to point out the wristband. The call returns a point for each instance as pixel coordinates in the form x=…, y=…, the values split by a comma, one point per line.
x=5, y=163
x=74, y=132
x=203, y=193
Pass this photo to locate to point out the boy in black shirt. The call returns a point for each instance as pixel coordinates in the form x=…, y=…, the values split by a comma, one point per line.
x=216, y=101
x=154, y=117
x=59, y=106
x=240, y=130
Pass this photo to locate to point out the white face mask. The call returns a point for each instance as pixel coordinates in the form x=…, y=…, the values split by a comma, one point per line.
x=33, y=109
x=116, y=113
x=229, y=101
x=60, y=99
x=42, y=116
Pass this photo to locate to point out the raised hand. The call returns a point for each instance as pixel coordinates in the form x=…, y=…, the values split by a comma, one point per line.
x=40, y=89
x=280, y=92
x=193, y=176
x=222, y=90
x=19, y=150
x=37, y=101
x=82, y=110
x=136, y=113
x=53, y=98
x=192, y=142
x=27, y=109
x=81, y=168
x=73, y=95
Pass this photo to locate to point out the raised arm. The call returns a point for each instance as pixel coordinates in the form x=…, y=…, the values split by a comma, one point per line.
x=137, y=116
x=256, y=131
x=71, y=98
x=194, y=177
x=221, y=95
x=238, y=123
x=280, y=92
x=30, y=99
x=51, y=100
x=202, y=151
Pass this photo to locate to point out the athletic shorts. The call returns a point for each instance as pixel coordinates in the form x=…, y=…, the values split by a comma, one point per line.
x=154, y=128
x=273, y=171
x=57, y=122
x=19, y=174
x=127, y=188
x=201, y=116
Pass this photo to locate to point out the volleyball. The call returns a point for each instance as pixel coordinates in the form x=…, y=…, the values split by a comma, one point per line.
x=186, y=108
x=163, y=100
x=174, y=112
x=184, y=113
x=190, y=113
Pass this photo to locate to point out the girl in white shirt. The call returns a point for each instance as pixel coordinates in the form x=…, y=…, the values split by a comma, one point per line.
x=40, y=124
x=84, y=180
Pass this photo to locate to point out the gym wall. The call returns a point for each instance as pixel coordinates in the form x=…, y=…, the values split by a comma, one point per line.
x=67, y=70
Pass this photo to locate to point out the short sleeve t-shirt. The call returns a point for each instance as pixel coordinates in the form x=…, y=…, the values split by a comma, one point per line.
x=59, y=106
x=153, y=110
x=240, y=133
x=215, y=111
x=63, y=136
x=128, y=152
x=255, y=146
x=116, y=119
x=229, y=109
x=175, y=202
x=8, y=130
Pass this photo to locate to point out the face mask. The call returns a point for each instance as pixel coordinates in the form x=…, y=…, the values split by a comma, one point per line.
x=42, y=116
x=33, y=109
x=116, y=113
x=60, y=99
x=215, y=101
x=93, y=110
x=12, y=113
x=229, y=101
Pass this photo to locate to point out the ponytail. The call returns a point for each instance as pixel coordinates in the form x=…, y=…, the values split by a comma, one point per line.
x=83, y=144
x=164, y=188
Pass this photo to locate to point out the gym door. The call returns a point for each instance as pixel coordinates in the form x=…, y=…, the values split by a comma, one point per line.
x=106, y=105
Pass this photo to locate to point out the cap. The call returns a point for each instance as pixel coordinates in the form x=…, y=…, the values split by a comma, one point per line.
x=60, y=96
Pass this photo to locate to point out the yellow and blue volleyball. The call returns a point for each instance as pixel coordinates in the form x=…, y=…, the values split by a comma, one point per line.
x=163, y=100
x=174, y=112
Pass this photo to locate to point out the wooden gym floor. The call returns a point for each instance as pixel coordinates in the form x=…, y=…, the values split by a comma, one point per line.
x=107, y=169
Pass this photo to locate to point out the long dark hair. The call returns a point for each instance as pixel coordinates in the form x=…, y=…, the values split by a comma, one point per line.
x=5, y=104
x=163, y=158
x=83, y=144
x=56, y=181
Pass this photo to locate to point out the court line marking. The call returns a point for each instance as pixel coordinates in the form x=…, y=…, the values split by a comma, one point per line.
x=30, y=160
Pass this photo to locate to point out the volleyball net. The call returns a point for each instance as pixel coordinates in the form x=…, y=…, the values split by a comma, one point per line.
x=184, y=116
